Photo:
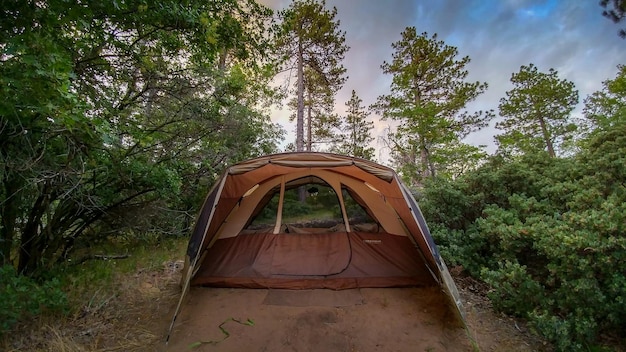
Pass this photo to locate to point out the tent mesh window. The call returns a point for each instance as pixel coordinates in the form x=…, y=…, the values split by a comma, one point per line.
x=264, y=217
x=311, y=207
x=358, y=217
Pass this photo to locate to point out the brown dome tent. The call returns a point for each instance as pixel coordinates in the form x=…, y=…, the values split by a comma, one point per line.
x=313, y=221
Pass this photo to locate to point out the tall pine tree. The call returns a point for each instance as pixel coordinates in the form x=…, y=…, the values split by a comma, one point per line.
x=321, y=123
x=536, y=112
x=312, y=44
x=355, y=131
x=428, y=95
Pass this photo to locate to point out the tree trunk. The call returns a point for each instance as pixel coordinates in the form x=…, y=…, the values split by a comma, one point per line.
x=546, y=137
x=8, y=215
x=300, y=115
x=431, y=165
x=222, y=60
x=309, y=128
x=427, y=168
x=300, y=112
x=302, y=190
x=188, y=219
x=424, y=159
x=30, y=244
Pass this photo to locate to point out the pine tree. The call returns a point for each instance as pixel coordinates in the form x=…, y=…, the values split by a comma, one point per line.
x=536, y=112
x=313, y=44
x=428, y=95
x=356, y=131
x=606, y=108
x=321, y=123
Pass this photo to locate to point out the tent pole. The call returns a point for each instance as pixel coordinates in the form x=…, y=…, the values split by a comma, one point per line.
x=192, y=267
x=279, y=215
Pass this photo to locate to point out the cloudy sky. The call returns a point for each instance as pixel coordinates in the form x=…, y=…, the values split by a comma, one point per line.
x=499, y=36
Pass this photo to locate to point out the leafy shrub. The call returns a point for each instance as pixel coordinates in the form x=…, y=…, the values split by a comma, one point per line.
x=23, y=297
x=294, y=207
x=469, y=248
x=513, y=280
x=547, y=234
x=565, y=272
x=449, y=204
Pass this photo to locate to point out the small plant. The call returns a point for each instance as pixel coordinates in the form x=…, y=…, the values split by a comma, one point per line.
x=23, y=297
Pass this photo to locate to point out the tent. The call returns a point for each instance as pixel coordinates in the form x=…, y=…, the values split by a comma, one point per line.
x=313, y=221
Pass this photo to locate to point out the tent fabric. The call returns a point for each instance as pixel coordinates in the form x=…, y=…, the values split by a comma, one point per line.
x=323, y=260
x=242, y=177
x=225, y=251
x=313, y=160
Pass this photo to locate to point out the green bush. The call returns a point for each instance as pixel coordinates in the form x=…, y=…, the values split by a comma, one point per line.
x=469, y=248
x=294, y=208
x=23, y=297
x=513, y=280
x=547, y=234
x=565, y=272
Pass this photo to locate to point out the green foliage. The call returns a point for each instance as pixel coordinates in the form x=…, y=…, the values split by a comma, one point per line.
x=563, y=331
x=537, y=112
x=440, y=194
x=24, y=298
x=428, y=96
x=466, y=248
x=607, y=107
x=354, y=211
x=293, y=208
x=546, y=233
x=513, y=280
x=311, y=42
x=355, y=131
x=104, y=128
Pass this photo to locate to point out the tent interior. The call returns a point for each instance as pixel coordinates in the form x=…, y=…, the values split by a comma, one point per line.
x=315, y=228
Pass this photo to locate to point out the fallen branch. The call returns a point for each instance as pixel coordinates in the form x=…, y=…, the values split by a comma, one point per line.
x=101, y=257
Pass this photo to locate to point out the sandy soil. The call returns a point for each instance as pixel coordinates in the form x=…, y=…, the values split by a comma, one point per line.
x=400, y=319
x=136, y=318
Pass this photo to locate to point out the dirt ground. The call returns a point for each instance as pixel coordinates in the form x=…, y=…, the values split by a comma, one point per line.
x=401, y=319
x=492, y=331
x=212, y=319
x=391, y=319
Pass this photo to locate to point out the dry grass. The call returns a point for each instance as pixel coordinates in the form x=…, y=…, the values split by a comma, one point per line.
x=126, y=321
x=122, y=313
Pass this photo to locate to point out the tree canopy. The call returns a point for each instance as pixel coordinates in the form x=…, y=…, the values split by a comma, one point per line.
x=312, y=43
x=615, y=10
x=355, y=137
x=428, y=96
x=537, y=112
x=607, y=108
x=109, y=108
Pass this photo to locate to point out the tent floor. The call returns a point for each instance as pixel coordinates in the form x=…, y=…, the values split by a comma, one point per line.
x=366, y=319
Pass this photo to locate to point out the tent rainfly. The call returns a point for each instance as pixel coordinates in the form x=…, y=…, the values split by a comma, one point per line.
x=313, y=220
